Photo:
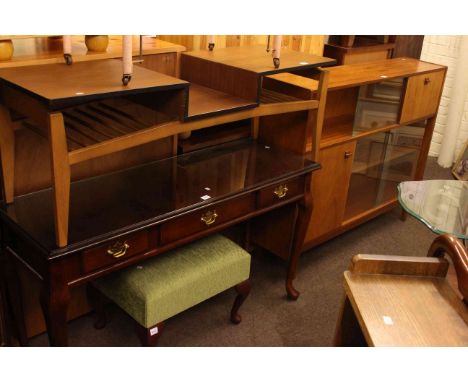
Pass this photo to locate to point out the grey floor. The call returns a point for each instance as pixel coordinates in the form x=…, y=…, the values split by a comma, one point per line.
x=269, y=319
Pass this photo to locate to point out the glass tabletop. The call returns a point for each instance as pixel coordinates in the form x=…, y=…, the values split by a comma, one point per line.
x=440, y=204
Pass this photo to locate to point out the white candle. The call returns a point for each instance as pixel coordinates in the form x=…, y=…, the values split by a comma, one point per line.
x=211, y=40
x=127, y=54
x=67, y=45
x=277, y=46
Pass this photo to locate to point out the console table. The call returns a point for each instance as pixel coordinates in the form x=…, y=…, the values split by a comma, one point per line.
x=125, y=217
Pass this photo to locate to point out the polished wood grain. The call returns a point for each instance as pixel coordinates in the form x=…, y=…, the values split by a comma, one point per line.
x=39, y=50
x=330, y=190
x=312, y=44
x=60, y=85
x=7, y=154
x=422, y=95
x=205, y=101
x=345, y=76
x=416, y=310
x=255, y=59
x=60, y=170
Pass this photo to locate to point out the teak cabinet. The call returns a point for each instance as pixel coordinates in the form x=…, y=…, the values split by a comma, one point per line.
x=376, y=133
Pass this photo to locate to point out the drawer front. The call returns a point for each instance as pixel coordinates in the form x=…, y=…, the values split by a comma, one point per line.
x=280, y=192
x=206, y=218
x=114, y=251
x=422, y=96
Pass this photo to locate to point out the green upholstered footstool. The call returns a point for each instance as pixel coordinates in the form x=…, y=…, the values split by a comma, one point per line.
x=172, y=282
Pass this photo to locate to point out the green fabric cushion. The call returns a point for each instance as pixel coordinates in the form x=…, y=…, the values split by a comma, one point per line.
x=172, y=282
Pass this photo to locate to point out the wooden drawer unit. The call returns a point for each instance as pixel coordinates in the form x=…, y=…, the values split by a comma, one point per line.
x=206, y=218
x=114, y=251
x=422, y=96
x=280, y=192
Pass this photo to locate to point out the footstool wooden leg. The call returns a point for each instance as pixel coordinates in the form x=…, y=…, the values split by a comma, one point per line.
x=243, y=290
x=98, y=302
x=149, y=336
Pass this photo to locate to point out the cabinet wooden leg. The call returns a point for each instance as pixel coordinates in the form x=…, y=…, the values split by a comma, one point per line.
x=16, y=302
x=54, y=303
x=243, y=290
x=149, y=336
x=60, y=176
x=303, y=218
x=347, y=331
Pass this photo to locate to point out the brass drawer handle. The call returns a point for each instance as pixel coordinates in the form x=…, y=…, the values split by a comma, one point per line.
x=348, y=154
x=209, y=217
x=118, y=249
x=281, y=191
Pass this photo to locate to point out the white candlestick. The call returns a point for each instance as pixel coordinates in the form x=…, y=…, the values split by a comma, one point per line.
x=67, y=45
x=127, y=54
x=277, y=46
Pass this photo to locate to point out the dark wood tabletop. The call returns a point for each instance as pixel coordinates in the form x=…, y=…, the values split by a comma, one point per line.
x=61, y=85
x=103, y=207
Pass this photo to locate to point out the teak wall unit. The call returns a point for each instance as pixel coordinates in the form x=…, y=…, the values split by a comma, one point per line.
x=377, y=129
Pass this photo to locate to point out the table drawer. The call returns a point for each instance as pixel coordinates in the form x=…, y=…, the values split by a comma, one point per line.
x=280, y=192
x=206, y=218
x=114, y=251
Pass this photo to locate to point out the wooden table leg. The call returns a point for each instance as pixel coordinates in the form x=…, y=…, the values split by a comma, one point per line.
x=55, y=297
x=303, y=218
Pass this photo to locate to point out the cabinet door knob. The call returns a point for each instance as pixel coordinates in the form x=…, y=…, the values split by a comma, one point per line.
x=427, y=80
x=348, y=154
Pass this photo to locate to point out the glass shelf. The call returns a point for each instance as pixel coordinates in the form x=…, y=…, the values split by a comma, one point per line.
x=440, y=204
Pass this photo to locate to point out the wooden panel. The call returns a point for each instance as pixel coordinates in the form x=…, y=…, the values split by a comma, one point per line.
x=407, y=311
x=235, y=81
x=408, y=46
x=312, y=44
x=162, y=63
x=99, y=257
x=192, y=223
x=273, y=194
x=365, y=57
x=330, y=189
x=422, y=96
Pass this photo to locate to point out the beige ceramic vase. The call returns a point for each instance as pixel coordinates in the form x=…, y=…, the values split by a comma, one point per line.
x=6, y=50
x=97, y=43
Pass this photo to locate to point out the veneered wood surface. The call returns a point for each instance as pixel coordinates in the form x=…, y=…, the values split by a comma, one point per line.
x=39, y=50
x=422, y=96
x=256, y=59
x=59, y=83
x=407, y=311
x=363, y=73
x=330, y=189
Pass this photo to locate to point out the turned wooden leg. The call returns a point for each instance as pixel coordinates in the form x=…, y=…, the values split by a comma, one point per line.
x=15, y=298
x=60, y=176
x=54, y=298
x=243, y=290
x=98, y=303
x=149, y=336
x=7, y=154
x=304, y=214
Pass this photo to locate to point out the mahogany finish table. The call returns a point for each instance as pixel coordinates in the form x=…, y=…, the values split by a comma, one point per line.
x=122, y=218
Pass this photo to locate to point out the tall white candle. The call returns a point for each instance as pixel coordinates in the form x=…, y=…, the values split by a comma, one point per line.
x=67, y=45
x=277, y=46
x=127, y=54
x=211, y=39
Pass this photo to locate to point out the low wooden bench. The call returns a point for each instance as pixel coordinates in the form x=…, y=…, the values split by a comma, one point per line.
x=170, y=283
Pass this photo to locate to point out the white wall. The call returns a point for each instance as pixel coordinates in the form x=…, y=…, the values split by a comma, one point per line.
x=446, y=50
